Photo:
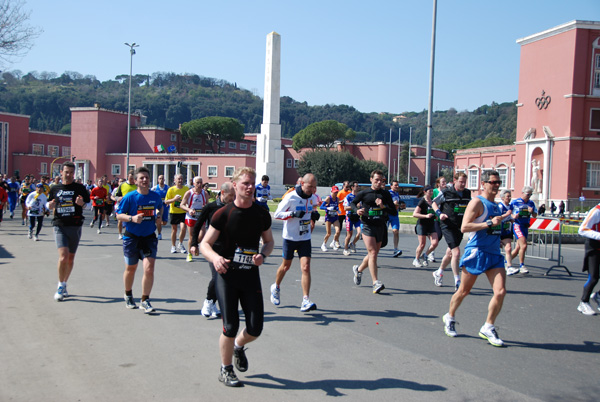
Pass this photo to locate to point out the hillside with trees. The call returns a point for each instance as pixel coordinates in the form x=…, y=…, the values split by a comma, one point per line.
x=168, y=100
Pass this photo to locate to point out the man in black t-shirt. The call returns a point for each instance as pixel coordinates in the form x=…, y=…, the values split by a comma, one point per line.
x=67, y=200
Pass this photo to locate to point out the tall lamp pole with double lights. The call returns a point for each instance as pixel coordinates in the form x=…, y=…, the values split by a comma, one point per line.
x=131, y=52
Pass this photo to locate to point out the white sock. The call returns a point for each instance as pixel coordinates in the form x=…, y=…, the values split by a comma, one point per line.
x=487, y=326
x=456, y=278
x=440, y=271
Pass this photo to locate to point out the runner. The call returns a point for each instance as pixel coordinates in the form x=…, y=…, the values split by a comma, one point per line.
x=425, y=227
x=376, y=205
x=483, y=221
x=341, y=196
x=26, y=189
x=109, y=204
x=68, y=200
x=298, y=210
x=263, y=192
x=231, y=246
x=193, y=202
x=506, y=237
x=36, y=208
x=393, y=219
x=352, y=221
x=177, y=215
x=450, y=207
x=13, y=195
x=331, y=207
x=122, y=190
x=3, y=197
x=590, y=229
x=138, y=210
x=440, y=185
x=98, y=195
x=161, y=189
x=227, y=195
x=523, y=209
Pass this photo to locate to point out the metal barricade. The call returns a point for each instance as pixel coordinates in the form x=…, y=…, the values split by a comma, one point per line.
x=546, y=241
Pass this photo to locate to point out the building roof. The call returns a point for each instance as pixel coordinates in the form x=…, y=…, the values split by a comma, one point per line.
x=575, y=24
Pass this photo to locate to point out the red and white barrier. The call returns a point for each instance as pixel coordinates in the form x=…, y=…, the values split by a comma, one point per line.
x=549, y=224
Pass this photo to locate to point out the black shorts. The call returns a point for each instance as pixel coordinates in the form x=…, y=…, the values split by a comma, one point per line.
x=376, y=231
x=424, y=230
x=452, y=236
x=506, y=236
x=342, y=220
x=176, y=219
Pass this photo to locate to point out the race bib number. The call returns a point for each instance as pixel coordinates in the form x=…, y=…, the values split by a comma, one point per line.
x=148, y=211
x=460, y=209
x=304, y=227
x=66, y=207
x=375, y=213
x=332, y=213
x=177, y=204
x=244, y=257
x=99, y=202
x=197, y=213
x=524, y=213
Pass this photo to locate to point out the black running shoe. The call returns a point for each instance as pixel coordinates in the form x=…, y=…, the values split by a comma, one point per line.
x=240, y=360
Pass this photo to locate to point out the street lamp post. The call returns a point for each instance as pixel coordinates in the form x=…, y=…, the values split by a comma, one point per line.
x=131, y=52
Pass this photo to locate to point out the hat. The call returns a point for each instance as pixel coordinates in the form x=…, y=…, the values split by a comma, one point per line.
x=427, y=188
x=335, y=189
x=39, y=185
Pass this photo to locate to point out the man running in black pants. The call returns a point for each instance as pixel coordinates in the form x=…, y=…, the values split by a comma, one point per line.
x=231, y=246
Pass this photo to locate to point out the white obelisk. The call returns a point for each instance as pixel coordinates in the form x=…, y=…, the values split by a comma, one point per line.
x=269, y=155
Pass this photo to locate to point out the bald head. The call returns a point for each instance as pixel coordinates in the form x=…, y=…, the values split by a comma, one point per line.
x=309, y=184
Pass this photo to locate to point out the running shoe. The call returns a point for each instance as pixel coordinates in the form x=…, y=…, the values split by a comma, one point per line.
x=357, y=275
x=23, y=223
x=596, y=298
x=397, y=253
x=417, y=263
x=431, y=258
x=92, y=224
x=437, y=278
x=275, y=294
x=120, y=236
x=523, y=270
x=353, y=247
x=307, y=306
x=585, y=308
x=239, y=359
x=323, y=247
x=511, y=271
x=215, y=312
x=332, y=244
x=99, y=231
x=12, y=215
x=346, y=252
x=65, y=292
x=159, y=237
x=227, y=376
x=449, y=324
x=207, y=308
x=173, y=249
x=424, y=262
x=457, y=285
x=35, y=238
x=336, y=245
x=189, y=257
x=129, y=302
x=378, y=287
x=59, y=295
x=181, y=248
x=492, y=336
x=147, y=307
x=29, y=235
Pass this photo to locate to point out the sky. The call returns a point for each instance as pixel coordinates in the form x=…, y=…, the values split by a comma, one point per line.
x=372, y=55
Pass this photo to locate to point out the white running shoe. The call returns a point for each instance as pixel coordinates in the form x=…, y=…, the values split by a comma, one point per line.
x=417, y=263
x=431, y=258
x=120, y=236
x=99, y=231
x=59, y=295
x=378, y=287
x=173, y=249
x=307, y=306
x=146, y=307
x=523, y=270
x=275, y=294
x=207, y=308
x=352, y=247
x=332, y=244
x=437, y=278
x=215, y=312
x=323, y=247
x=346, y=252
x=181, y=248
x=336, y=245
x=92, y=224
x=357, y=275
x=585, y=308
x=596, y=298
x=492, y=336
x=35, y=238
x=449, y=324
x=424, y=262
x=511, y=271
x=29, y=235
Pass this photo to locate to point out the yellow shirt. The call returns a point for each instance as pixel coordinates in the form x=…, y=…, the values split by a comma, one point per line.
x=171, y=193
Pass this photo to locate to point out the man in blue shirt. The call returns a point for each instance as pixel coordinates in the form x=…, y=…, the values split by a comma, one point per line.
x=139, y=211
x=263, y=192
x=523, y=209
x=161, y=189
x=393, y=219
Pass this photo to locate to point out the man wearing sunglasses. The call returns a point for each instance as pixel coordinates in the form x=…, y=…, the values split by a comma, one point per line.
x=483, y=221
x=523, y=209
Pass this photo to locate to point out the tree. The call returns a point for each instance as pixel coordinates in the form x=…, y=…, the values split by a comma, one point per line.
x=16, y=35
x=330, y=167
x=322, y=133
x=215, y=129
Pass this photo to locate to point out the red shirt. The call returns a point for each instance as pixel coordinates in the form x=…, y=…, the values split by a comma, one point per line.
x=101, y=193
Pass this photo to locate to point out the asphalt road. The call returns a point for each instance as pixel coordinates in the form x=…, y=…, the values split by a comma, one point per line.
x=355, y=346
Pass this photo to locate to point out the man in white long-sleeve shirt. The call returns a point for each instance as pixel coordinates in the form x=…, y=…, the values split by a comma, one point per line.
x=298, y=209
x=590, y=229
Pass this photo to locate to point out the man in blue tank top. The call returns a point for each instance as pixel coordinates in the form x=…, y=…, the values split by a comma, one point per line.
x=483, y=222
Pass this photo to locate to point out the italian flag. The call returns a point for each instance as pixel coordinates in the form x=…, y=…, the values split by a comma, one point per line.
x=159, y=148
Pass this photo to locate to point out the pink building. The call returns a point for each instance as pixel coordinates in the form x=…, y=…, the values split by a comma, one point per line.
x=557, y=149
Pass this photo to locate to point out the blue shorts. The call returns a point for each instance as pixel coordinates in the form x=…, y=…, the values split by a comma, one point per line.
x=67, y=236
x=289, y=246
x=520, y=231
x=394, y=222
x=135, y=249
x=477, y=262
x=351, y=225
x=331, y=218
x=165, y=216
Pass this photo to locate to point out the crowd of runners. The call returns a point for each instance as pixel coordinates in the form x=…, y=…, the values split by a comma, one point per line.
x=232, y=230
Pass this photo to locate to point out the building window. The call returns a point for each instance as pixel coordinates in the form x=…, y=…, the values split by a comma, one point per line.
x=232, y=145
x=66, y=151
x=243, y=147
x=43, y=168
x=173, y=137
x=116, y=170
x=253, y=147
x=53, y=151
x=597, y=73
x=212, y=171
x=184, y=150
x=592, y=175
x=595, y=119
x=288, y=163
x=208, y=151
x=473, y=179
x=185, y=139
x=196, y=150
x=198, y=140
x=503, y=172
x=37, y=149
x=295, y=163
x=229, y=171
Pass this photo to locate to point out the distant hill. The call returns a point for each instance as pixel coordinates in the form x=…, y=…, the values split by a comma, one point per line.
x=169, y=99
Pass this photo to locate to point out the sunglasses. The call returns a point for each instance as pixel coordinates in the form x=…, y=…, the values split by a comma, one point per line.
x=494, y=182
